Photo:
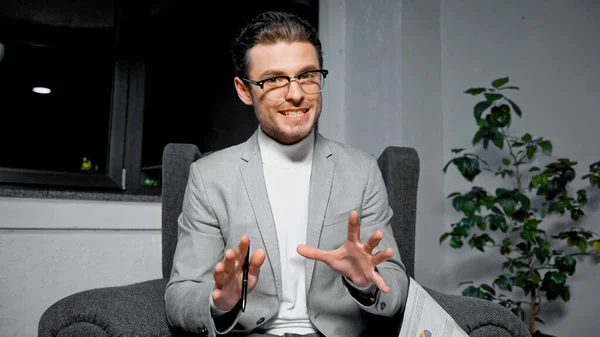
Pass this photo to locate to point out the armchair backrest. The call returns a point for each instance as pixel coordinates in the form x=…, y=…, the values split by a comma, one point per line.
x=399, y=167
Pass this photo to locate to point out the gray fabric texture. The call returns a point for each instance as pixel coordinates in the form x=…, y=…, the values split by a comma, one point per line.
x=176, y=162
x=138, y=309
x=82, y=329
x=479, y=317
x=400, y=169
x=132, y=310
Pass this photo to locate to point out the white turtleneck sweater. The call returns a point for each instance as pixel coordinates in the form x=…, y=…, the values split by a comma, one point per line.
x=287, y=170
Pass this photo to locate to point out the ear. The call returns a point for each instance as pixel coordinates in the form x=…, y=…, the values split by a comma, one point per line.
x=243, y=91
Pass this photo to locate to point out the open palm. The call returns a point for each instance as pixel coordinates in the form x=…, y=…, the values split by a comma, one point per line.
x=354, y=259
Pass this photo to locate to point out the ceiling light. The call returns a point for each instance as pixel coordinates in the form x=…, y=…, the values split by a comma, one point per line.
x=41, y=90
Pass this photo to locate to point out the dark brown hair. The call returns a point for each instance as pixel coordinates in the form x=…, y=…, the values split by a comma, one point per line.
x=269, y=28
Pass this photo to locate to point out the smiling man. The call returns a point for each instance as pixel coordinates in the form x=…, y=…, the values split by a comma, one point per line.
x=314, y=212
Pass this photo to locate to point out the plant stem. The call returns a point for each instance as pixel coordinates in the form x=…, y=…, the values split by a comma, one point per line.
x=533, y=309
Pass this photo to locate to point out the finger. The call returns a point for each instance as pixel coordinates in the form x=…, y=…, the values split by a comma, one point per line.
x=312, y=253
x=219, y=275
x=373, y=241
x=353, y=227
x=216, y=295
x=229, y=262
x=242, y=249
x=380, y=283
x=382, y=256
x=256, y=261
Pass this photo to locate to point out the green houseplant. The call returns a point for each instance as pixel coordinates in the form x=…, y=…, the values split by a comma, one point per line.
x=514, y=221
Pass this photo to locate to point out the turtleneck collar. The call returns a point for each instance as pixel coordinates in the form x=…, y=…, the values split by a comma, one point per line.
x=284, y=156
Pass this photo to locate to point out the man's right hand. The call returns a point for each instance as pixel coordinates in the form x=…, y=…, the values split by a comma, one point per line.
x=228, y=275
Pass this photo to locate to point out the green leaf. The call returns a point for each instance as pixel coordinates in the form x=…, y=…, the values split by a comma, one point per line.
x=526, y=138
x=508, y=205
x=478, y=136
x=503, y=283
x=566, y=264
x=468, y=167
x=509, y=87
x=541, y=253
x=498, y=222
x=447, y=164
x=500, y=116
x=515, y=107
x=443, y=237
x=523, y=200
x=595, y=181
x=457, y=150
x=453, y=194
x=577, y=214
x=458, y=202
x=475, y=91
x=558, y=277
x=456, y=242
x=468, y=207
x=546, y=146
x=493, y=97
x=473, y=291
x=531, y=151
x=498, y=140
x=506, y=161
x=488, y=289
x=527, y=235
x=480, y=108
x=500, y=82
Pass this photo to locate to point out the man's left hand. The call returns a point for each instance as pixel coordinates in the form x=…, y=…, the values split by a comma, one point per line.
x=354, y=259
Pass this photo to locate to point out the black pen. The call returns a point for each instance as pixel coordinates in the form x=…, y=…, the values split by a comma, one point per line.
x=245, y=279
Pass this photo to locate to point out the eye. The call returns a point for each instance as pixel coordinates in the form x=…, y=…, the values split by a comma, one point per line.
x=307, y=76
x=279, y=80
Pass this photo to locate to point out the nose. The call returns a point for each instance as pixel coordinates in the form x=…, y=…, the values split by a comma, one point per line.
x=295, y=93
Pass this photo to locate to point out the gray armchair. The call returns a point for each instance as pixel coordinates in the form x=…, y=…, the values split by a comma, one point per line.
x=138, y=309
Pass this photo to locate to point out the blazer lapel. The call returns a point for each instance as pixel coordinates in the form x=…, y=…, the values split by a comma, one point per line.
x=253, y=176
x=320, y=188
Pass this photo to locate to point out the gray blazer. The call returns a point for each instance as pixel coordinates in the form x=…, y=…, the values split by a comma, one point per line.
x=226, y=198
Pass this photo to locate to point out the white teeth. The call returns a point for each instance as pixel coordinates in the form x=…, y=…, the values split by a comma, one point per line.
x=293, y=113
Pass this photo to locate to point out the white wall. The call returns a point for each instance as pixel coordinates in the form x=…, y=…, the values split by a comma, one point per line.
x=51, y=248
x=436, y=51
x=550, y=50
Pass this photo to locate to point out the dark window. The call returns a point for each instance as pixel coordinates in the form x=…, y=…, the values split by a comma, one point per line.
x=60, y=95
x=119, y=95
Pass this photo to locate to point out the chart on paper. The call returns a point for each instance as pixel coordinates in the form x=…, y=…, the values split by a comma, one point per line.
x=424, y=317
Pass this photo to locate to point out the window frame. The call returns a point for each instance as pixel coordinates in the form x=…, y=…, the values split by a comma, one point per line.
x=113, y=179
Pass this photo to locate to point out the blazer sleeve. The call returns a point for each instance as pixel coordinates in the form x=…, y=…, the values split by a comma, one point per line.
x=200, y=246
x=376, y=214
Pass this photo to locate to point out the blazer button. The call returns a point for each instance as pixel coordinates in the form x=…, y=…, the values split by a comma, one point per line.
x=202, y=329
x=382, y=306
x=260, y=320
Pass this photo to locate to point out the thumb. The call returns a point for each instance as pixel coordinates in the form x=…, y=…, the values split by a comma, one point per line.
x=311, y=253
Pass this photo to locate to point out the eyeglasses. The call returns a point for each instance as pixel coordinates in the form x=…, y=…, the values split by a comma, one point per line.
x=276, y=88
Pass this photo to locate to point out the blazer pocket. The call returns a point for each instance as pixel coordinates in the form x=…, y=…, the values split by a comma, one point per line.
x=336, y=218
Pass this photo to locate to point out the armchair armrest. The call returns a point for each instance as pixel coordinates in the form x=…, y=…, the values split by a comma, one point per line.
x=481, y=318
x=132, y=310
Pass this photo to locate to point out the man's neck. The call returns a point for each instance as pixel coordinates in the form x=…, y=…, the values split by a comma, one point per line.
x=286, y=156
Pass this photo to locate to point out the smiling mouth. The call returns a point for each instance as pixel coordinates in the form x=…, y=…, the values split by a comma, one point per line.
x=294, y=113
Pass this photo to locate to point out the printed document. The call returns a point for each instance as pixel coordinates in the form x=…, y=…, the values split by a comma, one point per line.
x=424, y=317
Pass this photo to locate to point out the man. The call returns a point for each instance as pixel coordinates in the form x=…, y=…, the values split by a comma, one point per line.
x=314, y=212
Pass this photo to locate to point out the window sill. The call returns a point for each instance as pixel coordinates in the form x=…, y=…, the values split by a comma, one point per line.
x=78, y=195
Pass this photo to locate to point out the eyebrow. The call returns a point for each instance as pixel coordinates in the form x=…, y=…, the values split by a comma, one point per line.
x=272, y=72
